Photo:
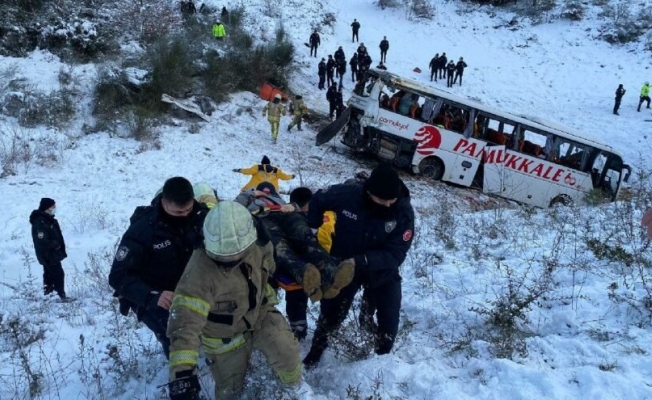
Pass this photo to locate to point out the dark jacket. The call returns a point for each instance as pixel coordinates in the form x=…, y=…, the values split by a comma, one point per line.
x=365, y=60
x=341, y=67
x=339, y=55
x=384, y=44
x=315, y=40
x=321, y=69
x=459, y=67
x=330, y=94
x=355, y=26
x=330, y=66
x=153, y=254
x=354, y=62
x=451, y=67
x=620, y=92
x=49, y=245
x=434, y=63
x=337, y=98
x=442, y=61
x=379, y=246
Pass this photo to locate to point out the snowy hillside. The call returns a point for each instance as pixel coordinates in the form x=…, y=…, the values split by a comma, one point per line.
x=505, y=303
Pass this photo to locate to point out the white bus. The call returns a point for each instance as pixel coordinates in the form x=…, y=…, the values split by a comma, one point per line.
x=449, y=138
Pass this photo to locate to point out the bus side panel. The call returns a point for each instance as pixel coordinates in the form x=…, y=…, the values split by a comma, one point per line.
x=493, y=170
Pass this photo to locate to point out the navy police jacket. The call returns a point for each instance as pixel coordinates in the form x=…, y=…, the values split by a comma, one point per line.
x=379, y=246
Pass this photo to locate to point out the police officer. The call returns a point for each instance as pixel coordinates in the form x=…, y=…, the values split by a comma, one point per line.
x=354, y=66
x=321, y=72
x=224, y=303
x=49, y=246
x=620, y=92
x=315, y=41
x=384, y=46
x=355, y=27
x=153, y=254
x=330, y=70
x=375, y=226
x=459, y=70
x=331, y=96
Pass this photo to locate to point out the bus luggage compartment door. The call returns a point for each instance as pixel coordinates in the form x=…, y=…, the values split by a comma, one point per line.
x=494, y=173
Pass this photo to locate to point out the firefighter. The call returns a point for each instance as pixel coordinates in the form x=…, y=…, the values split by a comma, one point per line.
x=204, y=193
x=297, y=109
x=263, y=172
x=274, y=110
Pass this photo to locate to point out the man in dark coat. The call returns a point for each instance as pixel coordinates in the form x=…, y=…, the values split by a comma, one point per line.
x=620, y=92
x=355, y=27
x=339, y=102
x=459, y=70
x=384, y=46
x=450, y=70
x=315, y=41
x=354, y=67
x=321, y=72
x=330, y=70
x=331, y=97
x=49, y=246
x=339, y=55
x=341, y=69
x=153, y=254
x=375, y=226
x=434, y=67
x=443, y=60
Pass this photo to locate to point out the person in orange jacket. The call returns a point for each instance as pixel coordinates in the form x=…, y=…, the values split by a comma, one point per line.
x=263, y=172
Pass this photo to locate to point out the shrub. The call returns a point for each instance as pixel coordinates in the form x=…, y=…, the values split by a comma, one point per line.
x=573, y=10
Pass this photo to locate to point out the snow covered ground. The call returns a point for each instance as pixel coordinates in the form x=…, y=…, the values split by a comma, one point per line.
x=579, y=342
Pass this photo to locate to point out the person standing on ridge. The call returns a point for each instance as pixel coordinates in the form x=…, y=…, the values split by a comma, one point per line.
x=321, y=73
x=355, y=27
x=459, y=70
x=620, y=92
x=315, y=41
x=434, y=67
x=384, y=46
x=219, y=32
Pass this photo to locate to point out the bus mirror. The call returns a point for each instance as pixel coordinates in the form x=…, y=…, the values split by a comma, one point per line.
x=626, y=178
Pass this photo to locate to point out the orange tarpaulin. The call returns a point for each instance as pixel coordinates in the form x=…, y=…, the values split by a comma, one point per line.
x=268, y=91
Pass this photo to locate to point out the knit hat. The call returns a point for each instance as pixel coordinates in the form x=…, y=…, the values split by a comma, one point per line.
x=228, y=231
x=265, y=160
x=45, y=203
x=267, y=188
x=384, y=182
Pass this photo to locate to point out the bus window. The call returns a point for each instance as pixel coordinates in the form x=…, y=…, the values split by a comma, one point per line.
x=571, y=154
x=384, y=101
x=532, y=142
x=427, y=109
x=496, y=131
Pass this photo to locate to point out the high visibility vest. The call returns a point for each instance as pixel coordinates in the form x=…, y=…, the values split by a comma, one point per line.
x=219, y=31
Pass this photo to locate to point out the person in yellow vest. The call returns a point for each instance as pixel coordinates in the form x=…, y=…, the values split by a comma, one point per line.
x=204, y=193
x=297, y=108
x=219, y=32
x=274, y=110
x=263, y=172
x=645, y=96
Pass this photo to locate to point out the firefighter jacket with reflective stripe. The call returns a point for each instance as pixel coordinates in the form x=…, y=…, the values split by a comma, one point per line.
x=214, y=305
x=298, y=107
x=274, y=111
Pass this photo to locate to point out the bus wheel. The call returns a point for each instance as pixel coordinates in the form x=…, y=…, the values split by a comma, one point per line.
x=431, y=168
x=561, y=200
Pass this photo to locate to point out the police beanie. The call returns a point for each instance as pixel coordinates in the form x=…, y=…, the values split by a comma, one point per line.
x=45, y=204
x=384, y=182
x=228, y=230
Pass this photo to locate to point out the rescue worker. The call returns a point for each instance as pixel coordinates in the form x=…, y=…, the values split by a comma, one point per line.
x=224, y=304
x=204, y=193
x=620, y=92
x=384, y=46
x=331, y=97
x=297, y=109
x=443, y=60
x=153, y=254
x=434, y=67
x=330, y=70
x=321, y=72
x=339, y=103
x=645, y=96
x=263, y=172
x=274, y=110
x=50, y=247
x=450, y=69
x=354, y=66
x=319, y=274
x=459, y=70
x=341, y=70
x=219, y=32
x=355, y=27
x=314, y=41
x=375, y=226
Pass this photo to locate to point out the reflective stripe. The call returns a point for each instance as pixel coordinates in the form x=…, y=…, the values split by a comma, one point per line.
x=221, y=346
x=270, y=295
x=183, y=357
x=290, y=378
x=193, y=303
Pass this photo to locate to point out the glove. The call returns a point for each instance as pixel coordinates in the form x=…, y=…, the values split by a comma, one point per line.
x=292, y=176
x=236, y=169
x=185, y=387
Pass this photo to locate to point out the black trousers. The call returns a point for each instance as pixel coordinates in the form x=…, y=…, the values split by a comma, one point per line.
x=442, y=73
x=296, y=306
x=383, y=302
x=321, y=81
x=313, y=47
x=329, y=79
x=617, y=106
x=157, y=321
x=354, y=74
x=433, y=72
x=458, y=74
x=354, y=38
x=383, y=55
x=449, y=79
x=641, y=100
x=53, y=279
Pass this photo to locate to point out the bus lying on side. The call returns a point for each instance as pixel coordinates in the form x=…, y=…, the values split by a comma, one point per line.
x=448, y=138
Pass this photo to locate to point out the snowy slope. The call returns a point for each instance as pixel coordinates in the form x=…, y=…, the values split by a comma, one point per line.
x=579, y=343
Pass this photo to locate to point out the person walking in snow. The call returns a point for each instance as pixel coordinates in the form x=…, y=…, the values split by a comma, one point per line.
x=274, y=110
x=354, y=67
x=263, y=172
x=355, y=27
x=620, y=92
x=384, y=46
x=645, y=96
x=330, y=70
x=331, y=97
x=443, y=60
x=219, y=32
x=434, y=67
x=321, y=72
x=315, y=41
x=297, y=109
x=459, y=70
x=450, y=70
x=49, y=246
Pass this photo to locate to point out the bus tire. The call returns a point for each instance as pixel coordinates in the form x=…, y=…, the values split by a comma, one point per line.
x=561, y=200
x=432, y=168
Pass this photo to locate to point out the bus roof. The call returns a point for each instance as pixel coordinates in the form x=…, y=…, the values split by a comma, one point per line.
x=531, y=121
